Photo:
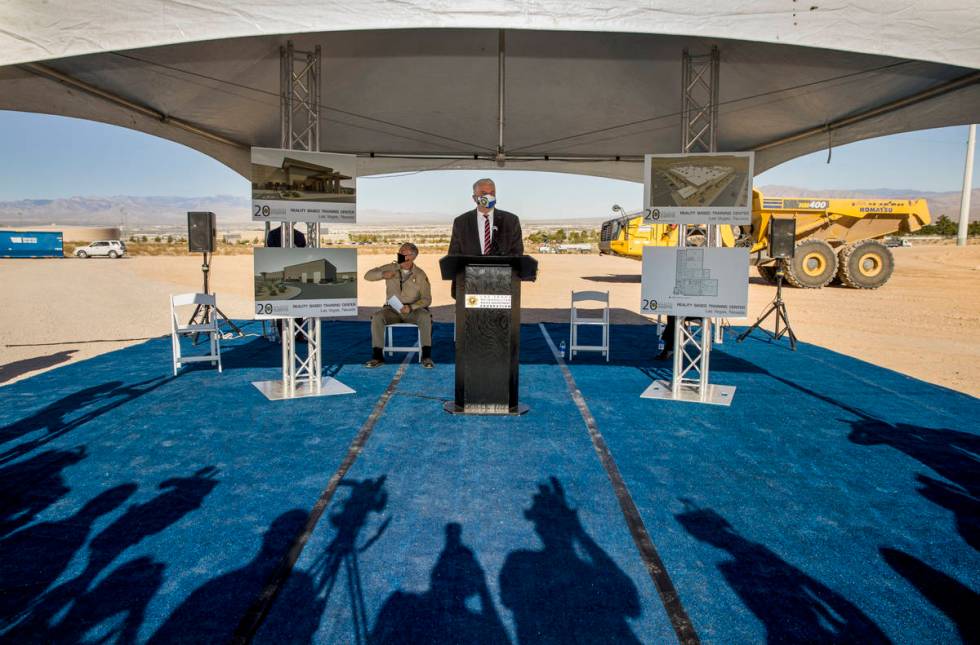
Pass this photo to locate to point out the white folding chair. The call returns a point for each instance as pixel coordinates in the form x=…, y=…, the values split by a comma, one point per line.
x=209, y=326
x=579, y=317
x=391, y=348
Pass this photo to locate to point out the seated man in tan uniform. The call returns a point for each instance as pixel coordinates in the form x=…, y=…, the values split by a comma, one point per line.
x=411, y=286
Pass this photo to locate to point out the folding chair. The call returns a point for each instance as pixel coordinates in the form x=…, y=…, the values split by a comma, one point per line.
x=391, y=348
x=209, y=327
x=578, y=319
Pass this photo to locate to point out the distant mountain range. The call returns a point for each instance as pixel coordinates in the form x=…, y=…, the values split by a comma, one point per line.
x=233, y=211
x=120, y=210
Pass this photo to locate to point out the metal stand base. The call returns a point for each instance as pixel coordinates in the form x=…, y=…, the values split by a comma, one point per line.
x=279, y=390
x=206, y=311
x=711, y=394
x=452, y=408
x=778, y=308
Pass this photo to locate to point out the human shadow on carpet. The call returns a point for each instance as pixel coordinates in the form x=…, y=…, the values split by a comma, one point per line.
x=34, y=558
x=950, y=453
x=211, y=613
x=34, y=484
x=64, y=415
x=570, y=591
x=793, y=607
x=225, y=608
x=14, y=369
x=74, y=607
x=443, y=615
x=340, y=560
x=947, y=594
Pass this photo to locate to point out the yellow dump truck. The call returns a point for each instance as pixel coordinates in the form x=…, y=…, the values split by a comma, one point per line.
x=836, y=239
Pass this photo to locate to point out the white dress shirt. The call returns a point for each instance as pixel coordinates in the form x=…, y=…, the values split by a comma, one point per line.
x=480, y=228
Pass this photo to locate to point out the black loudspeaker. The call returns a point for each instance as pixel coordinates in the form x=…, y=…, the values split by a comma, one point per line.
x=782, y=237
x=200, y=232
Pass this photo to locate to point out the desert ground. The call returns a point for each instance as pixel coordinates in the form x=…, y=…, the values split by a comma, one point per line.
x=925, y=322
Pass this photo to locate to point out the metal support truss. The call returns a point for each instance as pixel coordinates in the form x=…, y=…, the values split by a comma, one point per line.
x=299, y=93
x=693, y=336
x=699, y=102
x=699, y=123
x=300, y=122
x=299, y=110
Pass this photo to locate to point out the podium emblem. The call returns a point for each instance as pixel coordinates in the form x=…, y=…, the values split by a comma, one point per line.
x=488, y=301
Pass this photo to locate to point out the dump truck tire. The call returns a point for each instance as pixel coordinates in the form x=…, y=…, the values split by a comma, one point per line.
x=813, y=266
x=865, y=265
x=768, y=273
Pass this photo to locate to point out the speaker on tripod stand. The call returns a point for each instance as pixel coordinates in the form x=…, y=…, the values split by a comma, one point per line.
x=782, y=247
x=782, y=238
x=201, y=233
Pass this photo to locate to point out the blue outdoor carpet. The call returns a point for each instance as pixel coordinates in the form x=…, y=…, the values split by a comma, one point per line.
x=834, y=501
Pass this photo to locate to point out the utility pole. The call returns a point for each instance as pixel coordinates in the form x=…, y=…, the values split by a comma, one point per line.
x=967, y=187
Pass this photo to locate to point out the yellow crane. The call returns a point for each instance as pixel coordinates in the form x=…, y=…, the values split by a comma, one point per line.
x=836, y=239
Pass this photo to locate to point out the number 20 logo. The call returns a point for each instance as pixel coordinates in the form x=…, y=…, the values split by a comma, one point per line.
x=649, y=305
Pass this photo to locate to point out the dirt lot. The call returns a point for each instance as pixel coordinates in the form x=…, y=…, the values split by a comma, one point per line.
x=925, y=322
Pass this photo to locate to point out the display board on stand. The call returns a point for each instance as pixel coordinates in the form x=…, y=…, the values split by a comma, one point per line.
x=705, y=188
x=301, y=186
x=298, y=286
x=695, y=282
x=305, y=282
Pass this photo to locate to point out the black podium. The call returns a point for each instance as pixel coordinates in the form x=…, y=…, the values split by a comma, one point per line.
x=488, y=330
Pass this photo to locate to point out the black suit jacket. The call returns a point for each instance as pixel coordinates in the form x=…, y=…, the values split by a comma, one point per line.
x=506, y=237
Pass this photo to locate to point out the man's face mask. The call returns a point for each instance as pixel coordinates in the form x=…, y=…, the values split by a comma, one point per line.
x=402, y=258
x=486, y=201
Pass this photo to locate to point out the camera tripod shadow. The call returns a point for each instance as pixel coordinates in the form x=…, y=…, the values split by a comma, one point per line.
x=310, y=592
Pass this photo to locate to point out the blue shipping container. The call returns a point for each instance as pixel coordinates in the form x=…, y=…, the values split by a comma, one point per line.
x=31, y=244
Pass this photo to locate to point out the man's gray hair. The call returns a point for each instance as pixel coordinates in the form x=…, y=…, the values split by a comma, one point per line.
x=485, y=180
x=411, y=247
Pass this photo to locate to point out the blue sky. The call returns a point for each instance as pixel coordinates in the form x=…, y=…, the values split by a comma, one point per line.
x=47, y=157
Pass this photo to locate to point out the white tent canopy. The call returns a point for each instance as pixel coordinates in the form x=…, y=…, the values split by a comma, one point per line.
x=590, y=87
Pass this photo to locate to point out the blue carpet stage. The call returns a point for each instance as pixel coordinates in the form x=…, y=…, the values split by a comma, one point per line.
x=834, y=501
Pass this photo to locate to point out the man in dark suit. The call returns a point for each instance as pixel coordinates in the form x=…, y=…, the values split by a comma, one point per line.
x=486, y=230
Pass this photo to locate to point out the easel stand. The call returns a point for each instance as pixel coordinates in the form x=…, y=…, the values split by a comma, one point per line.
x=205, y=311
x=777, y=308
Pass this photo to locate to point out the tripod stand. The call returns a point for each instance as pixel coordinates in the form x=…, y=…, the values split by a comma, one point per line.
x=203, y=313
x=777, y=307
